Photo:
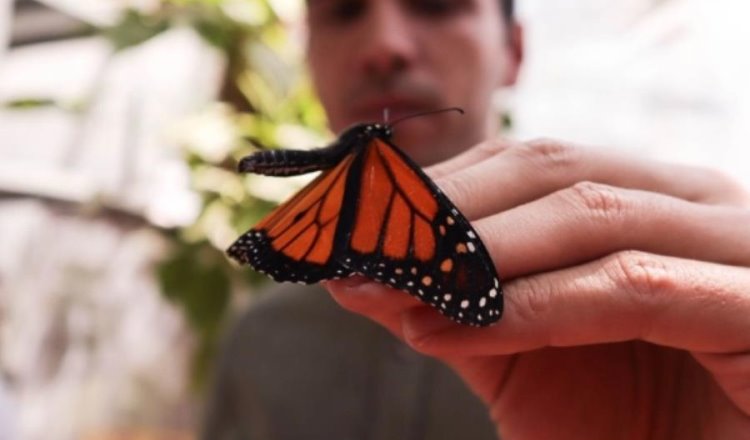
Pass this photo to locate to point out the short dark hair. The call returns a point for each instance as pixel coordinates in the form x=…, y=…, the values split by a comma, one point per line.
x=509, y=9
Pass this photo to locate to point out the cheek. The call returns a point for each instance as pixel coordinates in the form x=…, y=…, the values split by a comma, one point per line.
x=469, y=68
x=322, y=66
x=329, y=78
x=488, y=57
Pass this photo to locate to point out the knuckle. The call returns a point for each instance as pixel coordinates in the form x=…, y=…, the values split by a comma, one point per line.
x=492, y=147
x=550, y=154
x=727, y=186
x=597, y=200
x=721, y=178
x=459, y=190
x=641, y=274
x=532, y=299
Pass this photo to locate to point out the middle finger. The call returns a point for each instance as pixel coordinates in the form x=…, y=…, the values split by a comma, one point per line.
x=589, y=220
x=518, y=175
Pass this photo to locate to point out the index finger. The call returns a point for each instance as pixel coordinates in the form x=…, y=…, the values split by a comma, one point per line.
x=472, y=156
x=515, y=175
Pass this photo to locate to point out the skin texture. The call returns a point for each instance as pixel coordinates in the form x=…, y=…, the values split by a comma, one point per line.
x=626, y=281
x=627, y=307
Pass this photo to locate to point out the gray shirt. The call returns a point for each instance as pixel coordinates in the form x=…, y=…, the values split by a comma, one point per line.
x=297, y=366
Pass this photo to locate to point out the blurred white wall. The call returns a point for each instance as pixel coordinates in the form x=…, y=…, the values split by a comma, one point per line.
x=88, y=345
x=8, y=414
x=668, y=79
x=8, y=404
x=5, y=14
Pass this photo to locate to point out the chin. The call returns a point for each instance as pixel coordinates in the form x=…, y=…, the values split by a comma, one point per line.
x=422, y=150
x=422, y=139
x=412, y=139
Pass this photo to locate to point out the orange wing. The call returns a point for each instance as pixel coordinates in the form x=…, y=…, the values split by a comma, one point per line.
x=295, y=242
x=374, y=213
x=405, y=233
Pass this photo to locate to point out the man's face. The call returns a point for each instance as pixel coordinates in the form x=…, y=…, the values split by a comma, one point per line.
x=410, y=56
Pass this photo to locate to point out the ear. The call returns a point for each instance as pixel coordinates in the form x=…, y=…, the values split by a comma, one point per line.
x=515, y=48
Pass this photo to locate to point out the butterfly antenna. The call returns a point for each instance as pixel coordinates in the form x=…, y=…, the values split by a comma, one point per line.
x=429, y=112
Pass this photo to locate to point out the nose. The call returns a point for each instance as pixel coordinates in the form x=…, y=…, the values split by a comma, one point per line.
x=387, y=45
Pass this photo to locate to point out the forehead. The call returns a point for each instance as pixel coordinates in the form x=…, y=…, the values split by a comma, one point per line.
x=434, y=19
x=437, y=8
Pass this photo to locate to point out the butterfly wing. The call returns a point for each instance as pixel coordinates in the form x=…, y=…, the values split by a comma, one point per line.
x=295, y=242
x=404, y=232
x=376, y=213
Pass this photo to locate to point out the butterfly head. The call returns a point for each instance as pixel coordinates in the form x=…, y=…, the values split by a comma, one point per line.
x=378, y=130
x=363, y=133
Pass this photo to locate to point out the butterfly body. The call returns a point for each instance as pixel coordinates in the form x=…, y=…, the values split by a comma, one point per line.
x=373, y=212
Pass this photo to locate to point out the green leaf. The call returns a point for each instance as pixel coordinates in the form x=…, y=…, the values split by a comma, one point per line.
x=134, y=28
x=195, y=277
x=30, y=103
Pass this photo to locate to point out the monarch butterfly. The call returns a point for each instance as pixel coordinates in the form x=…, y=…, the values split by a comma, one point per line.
x=373, y=212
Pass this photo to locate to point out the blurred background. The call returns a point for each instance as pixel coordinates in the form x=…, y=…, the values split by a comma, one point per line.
x=121, y=122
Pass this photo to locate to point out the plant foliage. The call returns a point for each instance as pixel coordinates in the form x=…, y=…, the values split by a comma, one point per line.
x=265, y=99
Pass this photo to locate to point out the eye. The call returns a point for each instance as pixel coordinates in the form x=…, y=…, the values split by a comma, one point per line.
x=348, y=10
x=336, y=11
x=438, y=8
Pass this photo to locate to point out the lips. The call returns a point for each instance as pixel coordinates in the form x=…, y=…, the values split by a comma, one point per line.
x=372, y=109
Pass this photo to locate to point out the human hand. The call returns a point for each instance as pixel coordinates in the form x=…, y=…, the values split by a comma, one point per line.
x=627, y=295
